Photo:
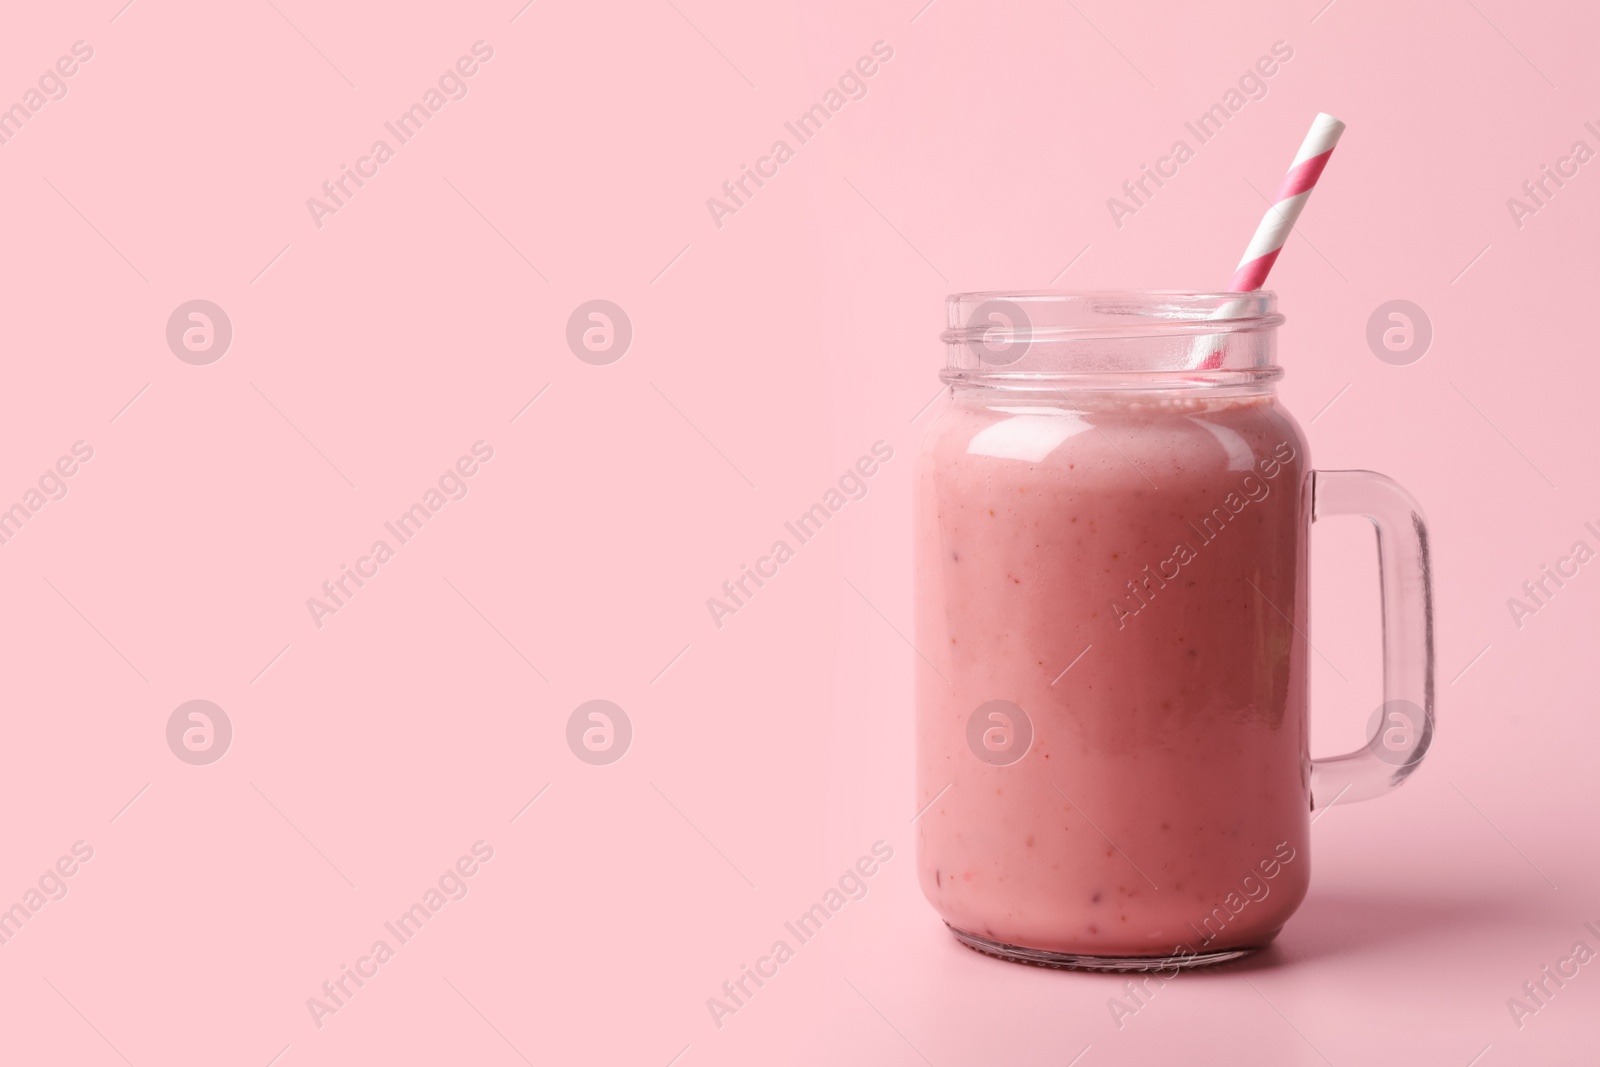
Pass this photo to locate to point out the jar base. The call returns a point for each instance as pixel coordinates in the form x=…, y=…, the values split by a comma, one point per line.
x=1070, y=961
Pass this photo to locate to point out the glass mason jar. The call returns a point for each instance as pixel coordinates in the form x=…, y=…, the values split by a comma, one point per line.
x=1111, y=527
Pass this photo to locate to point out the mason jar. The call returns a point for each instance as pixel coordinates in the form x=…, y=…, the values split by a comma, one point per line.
x=1111, y=540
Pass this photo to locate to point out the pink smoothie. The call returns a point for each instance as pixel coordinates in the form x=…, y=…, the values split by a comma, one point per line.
x=1163, y=802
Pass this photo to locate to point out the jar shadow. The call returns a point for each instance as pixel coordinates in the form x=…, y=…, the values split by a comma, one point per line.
x=1334, y=924
x=1331, y=925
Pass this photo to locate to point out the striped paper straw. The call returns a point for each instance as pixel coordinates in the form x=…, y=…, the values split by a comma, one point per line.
x=1262, y=252
x=1251, y=274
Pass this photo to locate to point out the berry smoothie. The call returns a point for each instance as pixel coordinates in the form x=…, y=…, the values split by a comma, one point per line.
x=1128, y=570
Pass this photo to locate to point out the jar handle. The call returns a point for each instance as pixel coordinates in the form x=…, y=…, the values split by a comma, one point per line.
x=1405, y=727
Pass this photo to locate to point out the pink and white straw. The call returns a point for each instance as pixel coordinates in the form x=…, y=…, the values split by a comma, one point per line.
x=1264, y=247
x=1262, y=253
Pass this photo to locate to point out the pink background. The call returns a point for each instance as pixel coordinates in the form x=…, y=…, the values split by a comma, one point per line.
x=767, y=354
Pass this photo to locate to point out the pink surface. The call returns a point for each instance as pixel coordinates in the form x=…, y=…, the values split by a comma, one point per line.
x=367, y=758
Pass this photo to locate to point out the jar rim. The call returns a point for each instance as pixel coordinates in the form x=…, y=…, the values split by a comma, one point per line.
x=1204, y=338
x=1071, y=294
x=1062, y=314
